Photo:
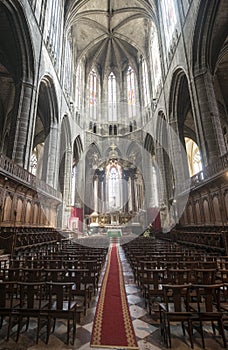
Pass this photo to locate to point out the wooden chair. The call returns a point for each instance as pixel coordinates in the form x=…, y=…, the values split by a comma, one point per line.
x=205, y=303
x=33, y=275
x=80, y=288
x=175, y=309
x=8, y=301
x=151, y=281
x=55, y=275
x=92, y=277
x=204, y=276
x=179, y=276
x=32, y=301
x=62, y=306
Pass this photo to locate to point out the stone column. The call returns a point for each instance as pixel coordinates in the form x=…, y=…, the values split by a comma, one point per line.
x=162, y=192
x=133, y=192
x=212, y=142
x=129, y=194
x=51, y=159
x=140, y=90
x=21, y=152
x=147, y=173
x=178, y=159
x=99, y=199
x=95, y=194
x=125, y=193
x=104, y=195
x=67, y=186
x=100, y=196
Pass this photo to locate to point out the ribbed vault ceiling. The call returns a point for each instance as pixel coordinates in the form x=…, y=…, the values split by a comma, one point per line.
x=109, y=34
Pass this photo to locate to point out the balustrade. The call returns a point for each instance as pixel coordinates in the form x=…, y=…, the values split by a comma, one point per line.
x=14, y=170
x=214, y=169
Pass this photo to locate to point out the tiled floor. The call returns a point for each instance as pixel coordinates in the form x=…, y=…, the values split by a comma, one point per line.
x=146, y=327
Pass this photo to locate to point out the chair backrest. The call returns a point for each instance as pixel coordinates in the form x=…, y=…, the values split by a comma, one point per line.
x=207, y=296
x=32, y=274
x=177, y=296
x=31, y=294
x=224, y=275
x=205, y=276
x=15, y=274
x=179, y=276
x=7, y=292
x=155, y=277
x=59, y=295
x=55, y=275
x=76, y=276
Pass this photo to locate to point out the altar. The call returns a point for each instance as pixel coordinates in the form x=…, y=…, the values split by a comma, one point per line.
x=114, y=233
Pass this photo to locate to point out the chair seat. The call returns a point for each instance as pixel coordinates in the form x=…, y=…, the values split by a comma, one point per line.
x=37, y=304
x=12, y=303
x=170, y=307
x=66, y=306
x=224, y=306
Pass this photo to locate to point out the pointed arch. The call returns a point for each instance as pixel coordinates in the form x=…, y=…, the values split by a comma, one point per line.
x=45, y=131
x=17, y=74
x=181, y=116
x=210, y=33
x=149, y=144
x=21, y=51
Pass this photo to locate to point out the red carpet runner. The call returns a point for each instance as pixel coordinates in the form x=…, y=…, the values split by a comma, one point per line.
x=112, y=326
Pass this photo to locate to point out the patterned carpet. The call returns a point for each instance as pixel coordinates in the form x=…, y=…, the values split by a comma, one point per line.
x=112, y=323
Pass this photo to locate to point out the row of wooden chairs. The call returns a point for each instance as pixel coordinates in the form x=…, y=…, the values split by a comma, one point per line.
x=152, y=281
x=50, y=284
x=192, y=306
x=169, y=273
x=43, y=301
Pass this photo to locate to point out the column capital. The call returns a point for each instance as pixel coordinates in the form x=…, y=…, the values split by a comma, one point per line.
x=200, y=72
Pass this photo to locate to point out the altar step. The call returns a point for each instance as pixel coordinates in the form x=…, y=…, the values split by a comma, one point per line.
x=114, y=240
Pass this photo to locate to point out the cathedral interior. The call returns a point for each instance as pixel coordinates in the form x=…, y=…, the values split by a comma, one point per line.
x=113, y=118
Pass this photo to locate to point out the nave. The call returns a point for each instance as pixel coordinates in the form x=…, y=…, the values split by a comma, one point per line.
x=145, y=319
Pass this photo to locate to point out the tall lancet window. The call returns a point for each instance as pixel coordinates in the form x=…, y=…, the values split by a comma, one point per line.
x=145, y=81
x=114, y=185
x=194, y=157
x=68, y=66
x=79, y=84
x=131, y=83
x=92, y=94
x=112, y=105
x=156, y=62
x=168, y=8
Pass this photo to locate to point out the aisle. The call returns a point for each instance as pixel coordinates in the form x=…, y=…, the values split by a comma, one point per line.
x=112, y=325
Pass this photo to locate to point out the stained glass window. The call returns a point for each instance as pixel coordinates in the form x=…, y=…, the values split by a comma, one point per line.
x=145, y=82
x=156, y=62
x=33, y=162
x=92, y=94
x=68, y=66
x=194, y=157
x=169, y=20
x=131, y=84
x=78, y=87
x=114, y=189
x=112, y=106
